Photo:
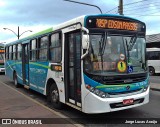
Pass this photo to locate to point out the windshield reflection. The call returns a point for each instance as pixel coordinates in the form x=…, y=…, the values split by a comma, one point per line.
x=111, y=54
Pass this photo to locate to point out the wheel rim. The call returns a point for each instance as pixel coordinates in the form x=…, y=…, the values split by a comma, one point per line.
x=54, y=96
x=151, y=72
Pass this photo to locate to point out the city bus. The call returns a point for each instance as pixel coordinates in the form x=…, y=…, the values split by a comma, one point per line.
x=153, y=57
x=2, y=51
x=70, y=64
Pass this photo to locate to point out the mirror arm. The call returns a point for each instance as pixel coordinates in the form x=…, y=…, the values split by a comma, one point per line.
x=85, y=29
x=86, y=53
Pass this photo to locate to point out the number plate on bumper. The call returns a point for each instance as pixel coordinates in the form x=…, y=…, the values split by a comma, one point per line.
x=128, y=102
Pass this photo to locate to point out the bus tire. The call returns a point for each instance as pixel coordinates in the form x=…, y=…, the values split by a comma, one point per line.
x=15, y=80
x=54, y=97
x=151, y=71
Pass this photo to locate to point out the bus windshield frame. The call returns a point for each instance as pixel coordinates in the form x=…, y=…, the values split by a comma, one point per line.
x=126, y=51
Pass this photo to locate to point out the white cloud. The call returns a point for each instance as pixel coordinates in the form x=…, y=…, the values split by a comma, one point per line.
x=37, y=15
x=2, y=3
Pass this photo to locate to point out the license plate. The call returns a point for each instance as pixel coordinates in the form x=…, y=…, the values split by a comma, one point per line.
x=128, y=101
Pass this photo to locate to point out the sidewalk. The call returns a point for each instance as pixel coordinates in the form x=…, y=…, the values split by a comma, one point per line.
x=155, y=86
x=14, y=104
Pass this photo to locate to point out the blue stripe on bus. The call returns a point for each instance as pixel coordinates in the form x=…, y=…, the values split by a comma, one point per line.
x=37, y=73
x=115, y=88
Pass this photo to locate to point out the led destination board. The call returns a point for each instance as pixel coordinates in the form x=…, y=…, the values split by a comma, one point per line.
x=115, y=24
x=1, y=51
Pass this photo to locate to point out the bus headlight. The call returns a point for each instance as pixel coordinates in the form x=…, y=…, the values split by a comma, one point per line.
x=145, y=88
x=97, y=91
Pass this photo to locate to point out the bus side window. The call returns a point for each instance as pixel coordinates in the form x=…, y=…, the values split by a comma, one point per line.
x=10, y=52
x=55, y=54
x=14, y=52
x=6, y=53
x=43, y=48
x=33, y=50
x=19, y=52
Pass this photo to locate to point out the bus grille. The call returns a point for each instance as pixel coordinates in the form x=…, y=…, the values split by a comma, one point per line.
x=120, y=104
x=125, y=92
x=120, y=79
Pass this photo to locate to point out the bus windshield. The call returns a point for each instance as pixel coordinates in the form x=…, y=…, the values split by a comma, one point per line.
x=109, y=54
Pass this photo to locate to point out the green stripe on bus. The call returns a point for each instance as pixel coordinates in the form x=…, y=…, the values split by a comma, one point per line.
x=42, y=32
x=110, y=86
x=13, y=64
x=41, y=65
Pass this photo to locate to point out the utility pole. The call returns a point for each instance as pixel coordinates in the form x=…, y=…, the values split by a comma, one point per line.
x=18, y=33
x=120, y=7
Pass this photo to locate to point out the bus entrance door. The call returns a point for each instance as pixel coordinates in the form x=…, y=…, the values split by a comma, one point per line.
x=25, y=64
x=73, y=68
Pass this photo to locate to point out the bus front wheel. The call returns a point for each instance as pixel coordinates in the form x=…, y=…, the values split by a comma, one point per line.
x=54, y=97
x=151, y=71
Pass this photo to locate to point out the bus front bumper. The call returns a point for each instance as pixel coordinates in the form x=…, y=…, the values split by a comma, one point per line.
x=95, y=104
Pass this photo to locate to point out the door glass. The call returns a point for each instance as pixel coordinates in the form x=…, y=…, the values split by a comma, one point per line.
x=74, y=66
x=71, y=66
x=78, y=67
x=26, y=66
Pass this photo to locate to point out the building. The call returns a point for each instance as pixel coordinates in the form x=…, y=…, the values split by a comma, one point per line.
x=153, y=40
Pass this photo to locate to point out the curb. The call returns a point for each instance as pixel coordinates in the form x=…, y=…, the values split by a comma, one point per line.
x=155, y=89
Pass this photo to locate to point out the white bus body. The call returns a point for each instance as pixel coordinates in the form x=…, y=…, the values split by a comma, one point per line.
x=153, y=56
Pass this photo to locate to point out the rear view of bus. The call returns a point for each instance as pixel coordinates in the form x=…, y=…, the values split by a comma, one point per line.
x=115, y=71
x=2, y=69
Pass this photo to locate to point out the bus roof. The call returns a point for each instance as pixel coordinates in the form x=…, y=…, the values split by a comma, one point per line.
x=113, y=15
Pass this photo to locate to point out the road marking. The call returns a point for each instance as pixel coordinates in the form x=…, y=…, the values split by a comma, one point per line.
x=57, y=113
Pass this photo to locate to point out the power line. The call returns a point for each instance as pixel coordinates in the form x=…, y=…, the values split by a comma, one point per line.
x=125, y=5
x=149, y=14
x=144, y=9
x=140, y=7
x=112, y=9
x=156, y=4
x=154, y=9
x=134, y=2
x=150, y=2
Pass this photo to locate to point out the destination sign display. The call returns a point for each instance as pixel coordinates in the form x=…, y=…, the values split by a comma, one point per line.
x=1, y=51
x=115, y=23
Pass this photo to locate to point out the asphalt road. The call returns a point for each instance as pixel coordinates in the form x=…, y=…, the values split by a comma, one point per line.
x=150, y=110
x=155, y=78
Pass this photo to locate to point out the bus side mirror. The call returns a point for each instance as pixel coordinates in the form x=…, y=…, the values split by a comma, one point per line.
x=85, y=42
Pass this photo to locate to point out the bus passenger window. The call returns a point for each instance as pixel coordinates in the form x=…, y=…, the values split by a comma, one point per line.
x=43, y=48
x=55, y=48
x=19, y=52
x=33, y=50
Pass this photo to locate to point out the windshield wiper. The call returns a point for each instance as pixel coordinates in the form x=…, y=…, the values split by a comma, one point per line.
x=102, y=45
x=127, y=50
x=132, y=42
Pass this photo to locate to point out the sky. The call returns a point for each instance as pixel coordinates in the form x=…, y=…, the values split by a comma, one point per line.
x=37, y=15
